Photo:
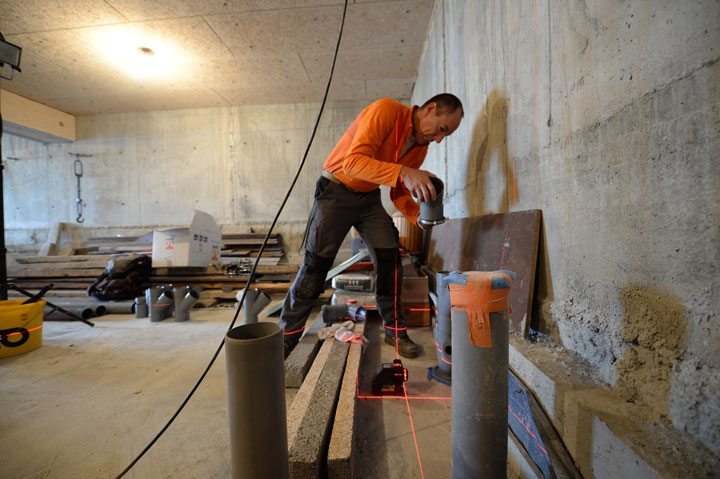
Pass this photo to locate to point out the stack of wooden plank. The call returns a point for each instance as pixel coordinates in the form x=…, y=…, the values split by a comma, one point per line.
x=269, y=278
x=66, y=272
x=76, y=269
x=117, y=245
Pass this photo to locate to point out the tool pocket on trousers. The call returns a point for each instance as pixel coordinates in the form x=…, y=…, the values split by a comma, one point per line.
x=321, y=186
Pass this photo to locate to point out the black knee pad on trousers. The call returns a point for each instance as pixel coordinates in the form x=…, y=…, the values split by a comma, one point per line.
x=313, y=271
x=389, y=269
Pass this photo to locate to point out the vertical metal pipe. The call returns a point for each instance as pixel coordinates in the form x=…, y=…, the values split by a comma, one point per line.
x=3, y=249
x=256, y=401
x=442, y=333
x=479, y=396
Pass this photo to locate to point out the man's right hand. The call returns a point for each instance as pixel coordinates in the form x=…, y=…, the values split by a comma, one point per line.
x=418, y=183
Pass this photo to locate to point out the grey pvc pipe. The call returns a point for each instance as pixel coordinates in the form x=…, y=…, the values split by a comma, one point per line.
x=162, y=307
x=119, y=307
x=179, y=294
x=342, y=312
x=141, y=307
x=151, y=297
x=255, y=301
x=101, y=310
x=431, y=212
x=182, y=310
x=256, y=401
x=82, y=311
x=443, y=328
x=479, y=396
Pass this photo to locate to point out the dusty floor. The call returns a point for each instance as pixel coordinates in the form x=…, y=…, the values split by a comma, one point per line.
x=90, y=399
x=386, y=445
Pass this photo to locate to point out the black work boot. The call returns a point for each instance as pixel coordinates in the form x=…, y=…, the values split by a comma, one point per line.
x=405, y=347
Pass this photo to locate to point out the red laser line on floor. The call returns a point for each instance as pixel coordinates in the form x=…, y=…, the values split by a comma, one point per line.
x=412, y=427
x=360, y=396
x=19, y=332
x=528, y=429
x=437, y=398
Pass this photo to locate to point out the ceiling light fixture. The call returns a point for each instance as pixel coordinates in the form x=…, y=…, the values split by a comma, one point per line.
x=142, y=56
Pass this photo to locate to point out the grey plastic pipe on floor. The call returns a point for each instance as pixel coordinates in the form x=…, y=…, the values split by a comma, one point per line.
x=479, y=394
x=255, y=301
x=83, y=312
x=119, y=307
x=161, y=303
x=185, y=299
x=256, y=401
x=141, y=307
x=443, y=328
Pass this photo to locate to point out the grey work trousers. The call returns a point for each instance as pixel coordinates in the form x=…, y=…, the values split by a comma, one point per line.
x=336, y=209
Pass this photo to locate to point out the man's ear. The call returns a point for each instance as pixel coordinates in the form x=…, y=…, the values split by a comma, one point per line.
x=431, y=107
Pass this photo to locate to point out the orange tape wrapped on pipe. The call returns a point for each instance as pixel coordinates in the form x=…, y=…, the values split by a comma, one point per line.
x=478, y=300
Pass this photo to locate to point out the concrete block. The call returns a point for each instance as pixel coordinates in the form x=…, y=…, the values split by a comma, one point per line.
x=312, y=411
x=605, y=435
x=301, y=358
x=340, y=452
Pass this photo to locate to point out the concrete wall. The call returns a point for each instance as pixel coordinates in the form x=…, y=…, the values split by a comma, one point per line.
x=605, y=115
x=152, y=169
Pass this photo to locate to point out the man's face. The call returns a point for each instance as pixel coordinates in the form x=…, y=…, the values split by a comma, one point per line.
x=432, y=126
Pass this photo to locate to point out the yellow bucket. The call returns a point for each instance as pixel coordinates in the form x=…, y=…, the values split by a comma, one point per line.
x=20, y=326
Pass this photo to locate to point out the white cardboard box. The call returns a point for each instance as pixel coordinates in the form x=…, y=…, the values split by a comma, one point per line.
x=198, y=245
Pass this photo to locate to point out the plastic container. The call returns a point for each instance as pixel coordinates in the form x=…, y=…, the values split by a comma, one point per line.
x=20, y=326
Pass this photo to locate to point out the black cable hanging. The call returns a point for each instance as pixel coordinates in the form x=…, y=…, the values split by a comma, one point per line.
x=257, y=260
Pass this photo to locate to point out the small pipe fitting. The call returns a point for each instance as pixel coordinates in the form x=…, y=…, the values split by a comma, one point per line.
x=255, y=301
x=182, y=311
x=162, y=307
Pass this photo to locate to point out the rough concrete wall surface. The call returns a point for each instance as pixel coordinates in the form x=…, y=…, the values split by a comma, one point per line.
x=605, y=115
x=152, y=169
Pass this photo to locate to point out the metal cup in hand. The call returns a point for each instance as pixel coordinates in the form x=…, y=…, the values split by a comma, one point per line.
x=431, y=212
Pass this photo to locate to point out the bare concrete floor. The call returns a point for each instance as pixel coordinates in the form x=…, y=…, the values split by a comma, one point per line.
x=90, y=399
x=385, y=443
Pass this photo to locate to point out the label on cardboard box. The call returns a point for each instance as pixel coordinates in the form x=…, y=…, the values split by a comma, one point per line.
x=199, y=245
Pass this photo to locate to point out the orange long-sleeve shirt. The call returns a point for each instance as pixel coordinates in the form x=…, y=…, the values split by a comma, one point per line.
x=368, y=154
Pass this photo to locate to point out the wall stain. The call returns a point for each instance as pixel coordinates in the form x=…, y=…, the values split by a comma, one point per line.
x=654, y=336
x=488, y=142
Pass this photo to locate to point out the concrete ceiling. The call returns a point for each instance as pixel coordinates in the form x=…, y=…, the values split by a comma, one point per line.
x=83, y=56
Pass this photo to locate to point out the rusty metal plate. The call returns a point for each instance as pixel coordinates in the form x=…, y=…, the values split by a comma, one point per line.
x=487, y=243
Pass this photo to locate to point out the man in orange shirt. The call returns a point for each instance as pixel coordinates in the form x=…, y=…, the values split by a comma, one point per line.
x=385, y=145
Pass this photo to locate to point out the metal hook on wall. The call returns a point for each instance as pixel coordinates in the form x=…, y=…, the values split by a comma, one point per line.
x=78, y=170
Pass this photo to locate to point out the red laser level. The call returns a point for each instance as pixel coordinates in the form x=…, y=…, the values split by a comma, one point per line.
x=389, y=379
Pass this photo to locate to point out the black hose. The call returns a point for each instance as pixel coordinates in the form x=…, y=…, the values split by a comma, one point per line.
x=257, y=261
